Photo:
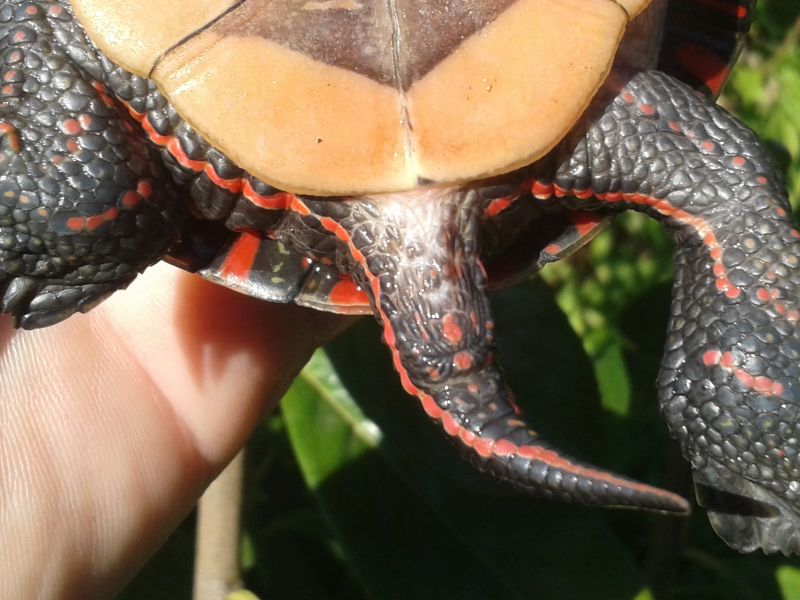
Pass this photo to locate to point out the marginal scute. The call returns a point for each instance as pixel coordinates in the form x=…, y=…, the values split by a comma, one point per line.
x=135, y=34
x=633, y=7
x=353, y=97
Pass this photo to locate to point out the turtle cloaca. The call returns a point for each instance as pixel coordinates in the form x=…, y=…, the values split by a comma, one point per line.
x=400, y=159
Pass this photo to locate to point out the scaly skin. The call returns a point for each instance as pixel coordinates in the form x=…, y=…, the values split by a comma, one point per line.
x=85, y=204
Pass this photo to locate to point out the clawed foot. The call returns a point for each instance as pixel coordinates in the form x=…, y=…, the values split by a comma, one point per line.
x=35, y=303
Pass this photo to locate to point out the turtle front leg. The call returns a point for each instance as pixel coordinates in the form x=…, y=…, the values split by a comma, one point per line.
x=417, y=254
x=83, y=205
x=730, y=378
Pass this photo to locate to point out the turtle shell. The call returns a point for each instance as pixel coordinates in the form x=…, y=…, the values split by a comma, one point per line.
x=336, y=97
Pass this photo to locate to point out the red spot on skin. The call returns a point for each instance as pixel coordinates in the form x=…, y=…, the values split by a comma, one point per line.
x=727, y=360
x=763, y=294
x=10, y=75
x=647, y=109
x=71, y=127
x=473, y=388
x=793, y=315
x=780, y=212
x=708, y=146
x=711, y=357
x=780, y=308
x=434, y=374
x=738, y=161
x=628, y=97
x=75, y=223
x=552, y=249
x=346, y=293
x=144, y=188
x=463, y=360
x=31, y=10
x=761, y=180
x=131, y=199
x=240, y=257
x=55, y=10
x=794, y=233
x=7, y=90
x=11, y=135
x=72, y=146
x=19, y=36
x=674, y=126
x=451, y=331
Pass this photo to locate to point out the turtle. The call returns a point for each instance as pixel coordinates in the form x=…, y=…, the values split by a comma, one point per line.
x=402, y=159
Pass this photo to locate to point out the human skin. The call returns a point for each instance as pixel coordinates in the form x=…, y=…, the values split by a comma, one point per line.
x=113, y=423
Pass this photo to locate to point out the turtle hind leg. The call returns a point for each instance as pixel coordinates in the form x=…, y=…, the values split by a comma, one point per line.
x=729, y=384
x=417, y=255
x=84, y=205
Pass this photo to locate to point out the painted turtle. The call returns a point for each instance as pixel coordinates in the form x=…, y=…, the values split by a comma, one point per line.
x=373, y=157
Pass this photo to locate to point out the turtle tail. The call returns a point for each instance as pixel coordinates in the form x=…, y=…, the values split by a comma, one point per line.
x=418, y=258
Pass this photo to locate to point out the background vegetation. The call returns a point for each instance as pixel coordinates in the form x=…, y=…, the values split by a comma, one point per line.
x=352, y=494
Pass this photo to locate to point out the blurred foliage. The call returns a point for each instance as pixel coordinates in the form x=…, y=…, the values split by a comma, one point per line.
x=351, y=493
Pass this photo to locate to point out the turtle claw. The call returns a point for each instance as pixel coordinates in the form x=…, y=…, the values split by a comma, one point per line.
x=34, y=303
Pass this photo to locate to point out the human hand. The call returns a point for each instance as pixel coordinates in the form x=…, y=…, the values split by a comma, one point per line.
x=113, y=423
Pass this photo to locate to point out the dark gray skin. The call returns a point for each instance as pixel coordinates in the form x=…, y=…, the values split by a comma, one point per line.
x=86, y=204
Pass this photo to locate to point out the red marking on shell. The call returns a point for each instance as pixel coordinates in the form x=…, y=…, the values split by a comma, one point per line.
x=463, y=360
x=345, y=292
x=498, y=205
x=71, y=127
x=541, y=191
x=704, y=64
x=241, y=256
x=451, y=332
x=299, y=206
